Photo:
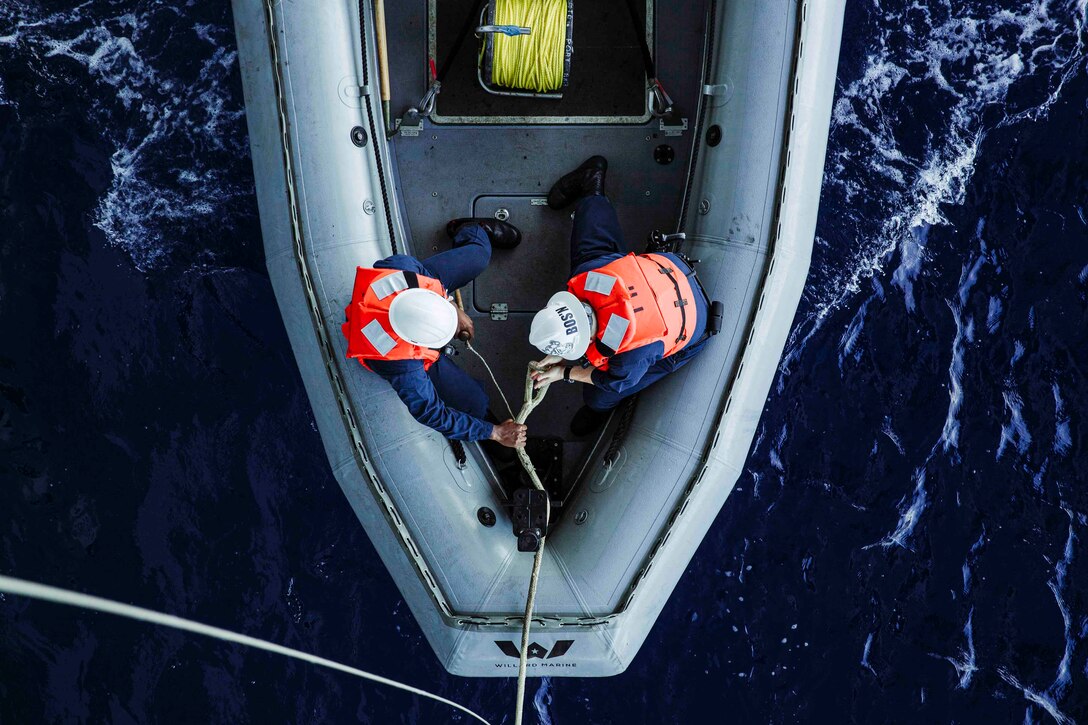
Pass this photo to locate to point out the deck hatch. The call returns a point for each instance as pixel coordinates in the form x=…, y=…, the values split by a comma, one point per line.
x=525, y=278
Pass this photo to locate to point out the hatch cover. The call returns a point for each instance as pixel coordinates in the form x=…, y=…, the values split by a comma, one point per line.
x=526, y=277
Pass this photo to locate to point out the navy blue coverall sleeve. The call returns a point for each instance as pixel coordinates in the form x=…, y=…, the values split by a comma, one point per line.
x=626, y=369
x=418, y=392
x=445, y=397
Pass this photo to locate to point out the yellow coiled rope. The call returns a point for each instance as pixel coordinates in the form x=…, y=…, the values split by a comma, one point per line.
x=532, y=62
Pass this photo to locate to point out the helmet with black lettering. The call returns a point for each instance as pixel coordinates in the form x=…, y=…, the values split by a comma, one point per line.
x=562, y=328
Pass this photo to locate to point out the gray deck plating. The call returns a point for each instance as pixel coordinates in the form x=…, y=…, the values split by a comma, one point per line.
x=523, y=162
x=480, y=163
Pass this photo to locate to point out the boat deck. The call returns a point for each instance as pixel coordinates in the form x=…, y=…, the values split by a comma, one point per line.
x=504, y=160
x=634, y=525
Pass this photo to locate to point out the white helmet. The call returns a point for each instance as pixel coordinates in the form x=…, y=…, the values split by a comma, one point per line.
x=562, y=328
x=422, y=317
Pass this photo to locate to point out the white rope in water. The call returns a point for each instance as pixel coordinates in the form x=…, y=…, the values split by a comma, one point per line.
x=532, y=399
x=33, y=590
x=56, y=595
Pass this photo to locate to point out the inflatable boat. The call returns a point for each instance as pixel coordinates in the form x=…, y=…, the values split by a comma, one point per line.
x=714, y=119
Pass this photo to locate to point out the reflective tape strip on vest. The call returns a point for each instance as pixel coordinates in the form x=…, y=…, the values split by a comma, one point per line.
x=636, y=303
x=368, y=330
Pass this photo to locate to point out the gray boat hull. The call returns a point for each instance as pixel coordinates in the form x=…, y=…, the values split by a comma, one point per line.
x=328, y=205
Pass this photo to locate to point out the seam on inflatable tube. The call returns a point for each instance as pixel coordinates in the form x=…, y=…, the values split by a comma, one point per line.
x=409, y=547
x=378, y=140
x=325, y=345
x=700, y=118
x=708, y=457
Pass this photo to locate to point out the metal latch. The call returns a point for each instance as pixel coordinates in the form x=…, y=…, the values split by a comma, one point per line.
x=672, y=126
x=499, y=311
x=354, y=91
x=410, y=123
x=511, y=30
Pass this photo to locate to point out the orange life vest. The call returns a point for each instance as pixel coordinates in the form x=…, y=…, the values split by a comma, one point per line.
x=368, y=330
x=637, y=300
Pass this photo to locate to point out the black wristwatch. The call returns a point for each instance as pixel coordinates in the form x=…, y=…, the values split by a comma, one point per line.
x=566, y=375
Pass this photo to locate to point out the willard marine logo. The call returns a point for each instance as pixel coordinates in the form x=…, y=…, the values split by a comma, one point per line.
x=536, y=651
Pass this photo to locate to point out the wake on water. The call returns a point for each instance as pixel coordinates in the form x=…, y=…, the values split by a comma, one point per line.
x=917, y=99
x=928, y=84
x=920, y=89
x=966, y=67
x=178, y=138
x=174, y=131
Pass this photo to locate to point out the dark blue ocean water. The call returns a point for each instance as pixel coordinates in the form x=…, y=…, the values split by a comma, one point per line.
x=908, y=543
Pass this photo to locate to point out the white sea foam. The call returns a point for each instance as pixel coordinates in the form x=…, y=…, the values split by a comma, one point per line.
x=967, y=666
x=1063, y=677
x=910, y=511
x=1063, y=441
x=892, y=177
x=1017, y=353
x=848, y=344
x=886, y=429
x=890, y=181
x=964, y=660
x=542, y=701
x=911, y=255
x=994, y=314
x=968, y=57
x=776, y=448
x=950, y=434
x=1042, y=699
x=174, y=133
x=970, y=560
x=865, y=653
x=1014, y=431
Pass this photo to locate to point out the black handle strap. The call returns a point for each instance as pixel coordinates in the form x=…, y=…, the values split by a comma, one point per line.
x=680, y=301
x=640, y=31
x=469, y=24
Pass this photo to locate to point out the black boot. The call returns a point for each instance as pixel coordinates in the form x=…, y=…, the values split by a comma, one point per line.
x=503, y=235
x=586, y=180
x=587, y=420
